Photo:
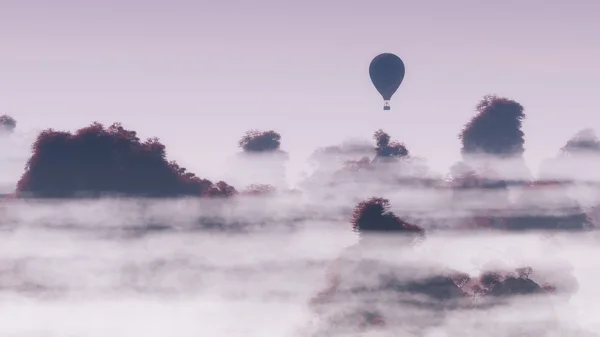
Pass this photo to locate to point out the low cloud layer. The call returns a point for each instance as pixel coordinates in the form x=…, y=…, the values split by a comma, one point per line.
x=92, y=268
x=197, y=256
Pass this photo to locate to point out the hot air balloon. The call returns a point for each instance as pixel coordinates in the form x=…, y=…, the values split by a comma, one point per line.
x=387, y=72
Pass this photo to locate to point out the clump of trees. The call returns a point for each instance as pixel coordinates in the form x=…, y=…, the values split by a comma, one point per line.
x=557, y=175
x=441, y=291
x=574, y=166
x=495, y=129
x=255, y=141
x=374, y=215
x=98, y=160
x=494, y=138
x=581, y=151
x=262, y=160
x=494, y=133
x=7, y=124
x=499, y=282
x=391, y=162
x=386, y=148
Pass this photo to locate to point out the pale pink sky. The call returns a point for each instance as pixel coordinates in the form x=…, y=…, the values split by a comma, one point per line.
x=222, y=67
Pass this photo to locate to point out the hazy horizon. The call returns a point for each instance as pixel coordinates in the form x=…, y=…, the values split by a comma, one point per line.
x=300, y=69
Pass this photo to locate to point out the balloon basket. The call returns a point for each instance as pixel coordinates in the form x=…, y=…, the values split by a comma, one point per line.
x=386, y=107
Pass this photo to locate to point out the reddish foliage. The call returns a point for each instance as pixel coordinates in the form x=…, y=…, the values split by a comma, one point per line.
x=260, y=141
x=96, y=160
x=221, y=189
x=374, y=215
x=7, y=124
x=496, y=129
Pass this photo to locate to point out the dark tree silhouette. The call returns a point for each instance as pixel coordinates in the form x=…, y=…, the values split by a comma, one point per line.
x=356, y=272
x=398, y=167
x=493, y=138
x=332, y=163
x=502, y=283
x=7, y=124
x=260, y=141
x=388, y=149
x=390, y=167
x=496, y=129
x=374, y=215
x=262, y=160
x=98, y=160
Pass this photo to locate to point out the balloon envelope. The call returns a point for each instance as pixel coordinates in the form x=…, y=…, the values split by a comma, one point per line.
x=387, y=72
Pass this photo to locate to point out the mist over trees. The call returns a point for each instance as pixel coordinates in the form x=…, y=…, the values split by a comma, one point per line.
x=493, y=139
x=374, y=216
x=7, y=125
x=572, y=161
x=261, y=161
x=386, y=148
x=492, y=149
x=573, y=167
x=583, y=142
x=98, y=161
x=385, y=164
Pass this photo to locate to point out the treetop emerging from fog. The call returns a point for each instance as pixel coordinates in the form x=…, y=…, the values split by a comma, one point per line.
x=584, y=141
x=260, y=141
x=495, y=129
x=7, y=124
